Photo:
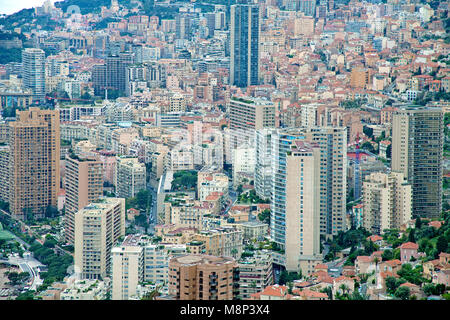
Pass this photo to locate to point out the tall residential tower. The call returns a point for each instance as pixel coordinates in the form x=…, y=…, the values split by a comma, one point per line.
x=417, y=152
x=244, y=44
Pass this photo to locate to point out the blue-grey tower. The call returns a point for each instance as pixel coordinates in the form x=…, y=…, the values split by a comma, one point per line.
x=244, y=44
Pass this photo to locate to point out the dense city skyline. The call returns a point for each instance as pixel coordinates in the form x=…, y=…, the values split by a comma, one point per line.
x=236, y=150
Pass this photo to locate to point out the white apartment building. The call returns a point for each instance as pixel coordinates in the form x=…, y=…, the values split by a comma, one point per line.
x=97, y=227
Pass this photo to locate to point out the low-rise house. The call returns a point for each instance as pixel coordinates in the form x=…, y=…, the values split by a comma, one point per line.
x=299, y=284
x=321, y=267
x=438, y=270
x=408, y=250
x=307, y=294
x=435, y=224
x=343, y=285
x=274, y=292
x=364, y=264
x=349, y=271
x=414, y=290
x=382, y=278
x=442, y=277
x=376, y=239
x=391, y=265
x=132, y=213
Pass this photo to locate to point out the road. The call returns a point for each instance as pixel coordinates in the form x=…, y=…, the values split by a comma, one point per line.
x=27, y=265
x=152, y=218
x=33, y=233
x=335, y=267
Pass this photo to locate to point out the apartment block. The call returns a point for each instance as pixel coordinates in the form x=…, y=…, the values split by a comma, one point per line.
x=184, y=211
x=255, y=274
x=127, y=270
x=247, y=115
x=130, y=177
x=302, y=232
x=97, y=227
x=34, y=143
x=33, y=71
x=417, y=152
x=203, y=277
x=263, y=163
x=137, y=261
x=387, y=201
x=244, y=44
x=224, y=241
x=332, y=143
x=4, y=173
x=84, y=185
x=210, y=180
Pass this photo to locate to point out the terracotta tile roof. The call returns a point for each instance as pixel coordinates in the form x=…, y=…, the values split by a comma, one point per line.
x=364, y=259
x=436, y=224
x=385, y=274
x=394, y=262
x=375, y=237
x=321, y=266
x=302, y=284
x=275, y=291
x=310, y=293
x=410, y=285
x=342, y=278
x=409, y=245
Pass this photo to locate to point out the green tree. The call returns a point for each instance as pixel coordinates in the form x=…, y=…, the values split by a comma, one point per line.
x=387, y=255
x=392, y=284
x=411, y=237
x=368, y=146
x=418, y=223
x=441, y=244
x=402, y=293
x=264, y=216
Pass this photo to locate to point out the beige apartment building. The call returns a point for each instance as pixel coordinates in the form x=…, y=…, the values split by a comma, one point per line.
x=333, y=177
x=130, y=177
x=387, y=201
x=358, y=78
x=247, y=115
x=34, y=157
x=203, y=277
x=5, y=168
x=97, y=227
x=183, y=211
x=224, y=241
x=302, y=244
x=303, y=26
x=84, y=185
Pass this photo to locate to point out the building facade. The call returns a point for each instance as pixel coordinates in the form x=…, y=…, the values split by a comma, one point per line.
x=417, y=152
x=84, y=185
x=244, y=44
x=97, y=227
x=203, y=277
x=34, y=157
